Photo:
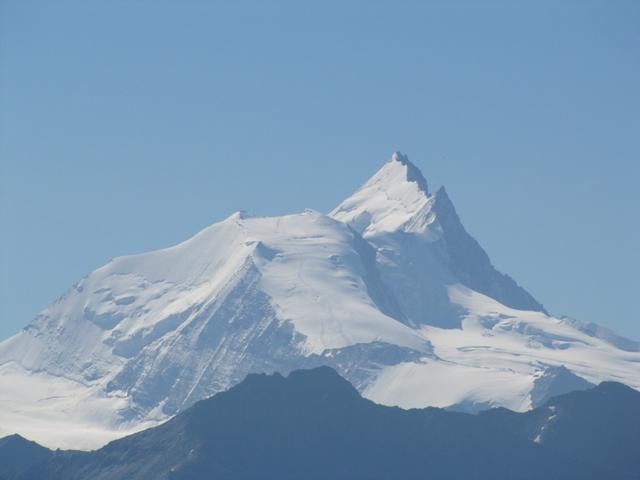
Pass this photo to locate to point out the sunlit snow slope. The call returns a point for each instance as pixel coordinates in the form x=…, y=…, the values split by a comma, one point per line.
x=389, y=289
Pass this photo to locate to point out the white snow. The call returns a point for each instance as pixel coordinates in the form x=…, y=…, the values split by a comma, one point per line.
x=57, y=412
x=496, y=357
x=442, y=384
x=316, y=282
x=387, y=202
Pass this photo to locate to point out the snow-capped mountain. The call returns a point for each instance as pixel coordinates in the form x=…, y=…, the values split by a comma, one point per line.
x=388, y=288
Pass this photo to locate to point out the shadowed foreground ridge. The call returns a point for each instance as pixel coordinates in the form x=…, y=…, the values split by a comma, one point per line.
x=313, y=424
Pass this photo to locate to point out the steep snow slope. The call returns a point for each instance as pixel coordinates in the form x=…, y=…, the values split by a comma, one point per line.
x=420, y=238
x=389, y=289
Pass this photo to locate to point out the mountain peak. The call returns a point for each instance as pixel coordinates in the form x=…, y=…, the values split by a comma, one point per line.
x=413, y=173
x=398, y=156
x=388, y=201
x=396, y=199
x=399, y=169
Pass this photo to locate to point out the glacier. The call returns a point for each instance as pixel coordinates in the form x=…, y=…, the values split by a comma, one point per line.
x=388, y=288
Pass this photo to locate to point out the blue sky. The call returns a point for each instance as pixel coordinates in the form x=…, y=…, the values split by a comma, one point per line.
x=127, y=126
